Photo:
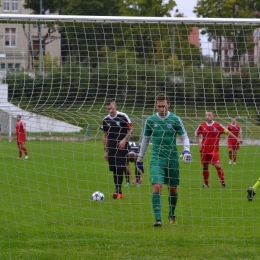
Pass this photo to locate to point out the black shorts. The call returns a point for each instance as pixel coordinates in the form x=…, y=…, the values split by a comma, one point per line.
x=117, y=158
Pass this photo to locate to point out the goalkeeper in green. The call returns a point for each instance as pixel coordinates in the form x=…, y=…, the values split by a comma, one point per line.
x=252, y=190
x=162, y=128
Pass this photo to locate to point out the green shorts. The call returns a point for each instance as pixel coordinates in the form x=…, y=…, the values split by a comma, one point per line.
x=166, y=175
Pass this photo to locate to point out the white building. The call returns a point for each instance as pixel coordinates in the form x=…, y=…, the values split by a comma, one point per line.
x=21, y=43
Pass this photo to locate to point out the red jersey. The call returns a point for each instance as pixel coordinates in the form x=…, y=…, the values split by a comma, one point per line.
x=210, y=136
x=20, y=129
x=235, y=129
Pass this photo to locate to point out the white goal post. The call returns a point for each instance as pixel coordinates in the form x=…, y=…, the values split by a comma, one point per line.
x=57, y=72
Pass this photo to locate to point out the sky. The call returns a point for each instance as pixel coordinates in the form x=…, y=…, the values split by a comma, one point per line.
x=186, y=7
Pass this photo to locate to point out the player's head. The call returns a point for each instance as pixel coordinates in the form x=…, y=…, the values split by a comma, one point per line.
x=233, y=120
x=162, y=104
x=132, y=157
x=111, y=107
x=18, y=118
x=209, y=116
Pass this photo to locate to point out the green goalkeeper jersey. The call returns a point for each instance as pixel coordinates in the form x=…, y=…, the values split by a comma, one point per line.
x=163, y=132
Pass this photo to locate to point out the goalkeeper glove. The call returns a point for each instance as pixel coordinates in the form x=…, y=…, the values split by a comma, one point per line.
x=140, y=165
x=186, y=156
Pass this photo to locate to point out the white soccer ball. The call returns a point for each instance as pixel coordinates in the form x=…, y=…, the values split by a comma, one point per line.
x=98, y=196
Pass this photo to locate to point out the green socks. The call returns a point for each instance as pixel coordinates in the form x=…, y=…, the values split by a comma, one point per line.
x=256, y=185
x=172, y=203
x=157, y=206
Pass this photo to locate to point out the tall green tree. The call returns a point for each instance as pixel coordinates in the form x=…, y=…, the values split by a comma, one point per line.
x=150, y=8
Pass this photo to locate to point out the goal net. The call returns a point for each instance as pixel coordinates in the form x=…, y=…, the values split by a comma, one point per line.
x=57, y=71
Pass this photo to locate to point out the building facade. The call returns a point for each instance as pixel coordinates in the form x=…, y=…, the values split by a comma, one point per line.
x=20, y=47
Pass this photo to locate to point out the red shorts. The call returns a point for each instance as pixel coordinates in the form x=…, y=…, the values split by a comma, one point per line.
x=211, y=158
x=233, y=144
x=21, y=141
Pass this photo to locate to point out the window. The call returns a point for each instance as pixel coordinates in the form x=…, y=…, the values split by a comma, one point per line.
x=14, y=5
x=6, y=5
x=17, y=66
x=3, y=66
x=10, y=5
x=10, y=66
x=10, y=37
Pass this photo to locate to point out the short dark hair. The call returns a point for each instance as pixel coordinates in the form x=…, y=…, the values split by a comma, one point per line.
x=109, y=101
x=132, y=157
x=162, y=97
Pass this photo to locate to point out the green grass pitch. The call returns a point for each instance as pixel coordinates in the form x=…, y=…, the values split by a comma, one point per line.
x=47, y=212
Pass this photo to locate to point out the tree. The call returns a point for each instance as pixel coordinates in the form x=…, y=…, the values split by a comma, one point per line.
x=51, y=6
x=240, y=36
x=150, y=8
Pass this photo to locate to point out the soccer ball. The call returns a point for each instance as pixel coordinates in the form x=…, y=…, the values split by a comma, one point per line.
x=98, y=196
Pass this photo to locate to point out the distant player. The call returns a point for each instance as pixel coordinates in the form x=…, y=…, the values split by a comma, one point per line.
x=20, y=133
x=251, y=191
x=209, y=146
x=131, y=157
x=117, y=129
x=233, y=144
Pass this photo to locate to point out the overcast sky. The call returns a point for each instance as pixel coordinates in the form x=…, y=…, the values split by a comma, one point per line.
x=186, y=7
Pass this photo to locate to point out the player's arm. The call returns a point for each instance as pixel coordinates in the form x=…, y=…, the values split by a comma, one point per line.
x=14, y=135
x=128, y=169
x=186, y=155
x=228, y=133
x=130, y=129
x=143, y=149
x=227, y=136
x=180, y=129
x=197, y=138
x=144, y=145
x=240, y=136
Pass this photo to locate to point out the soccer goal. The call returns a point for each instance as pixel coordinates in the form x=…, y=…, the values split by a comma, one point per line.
x=58, y=71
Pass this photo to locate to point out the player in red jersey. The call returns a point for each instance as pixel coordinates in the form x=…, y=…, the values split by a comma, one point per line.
x=20, y=133
x=233, y=144
x=209, y=146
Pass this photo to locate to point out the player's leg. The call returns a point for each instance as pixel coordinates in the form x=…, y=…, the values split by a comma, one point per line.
x=251, y=191
x=234, y=156
x=119, y=173
x=235, y=149
x=173, y=181
x=127, y=176
x=220, y=172
x=112, y=167
x=230, y=154
x=173, y=198
x=157, y=180
x=19, y=145
x=205, y=169
x=205, y=175
x=23, y=149
x=137, y=177
x=120, y=167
